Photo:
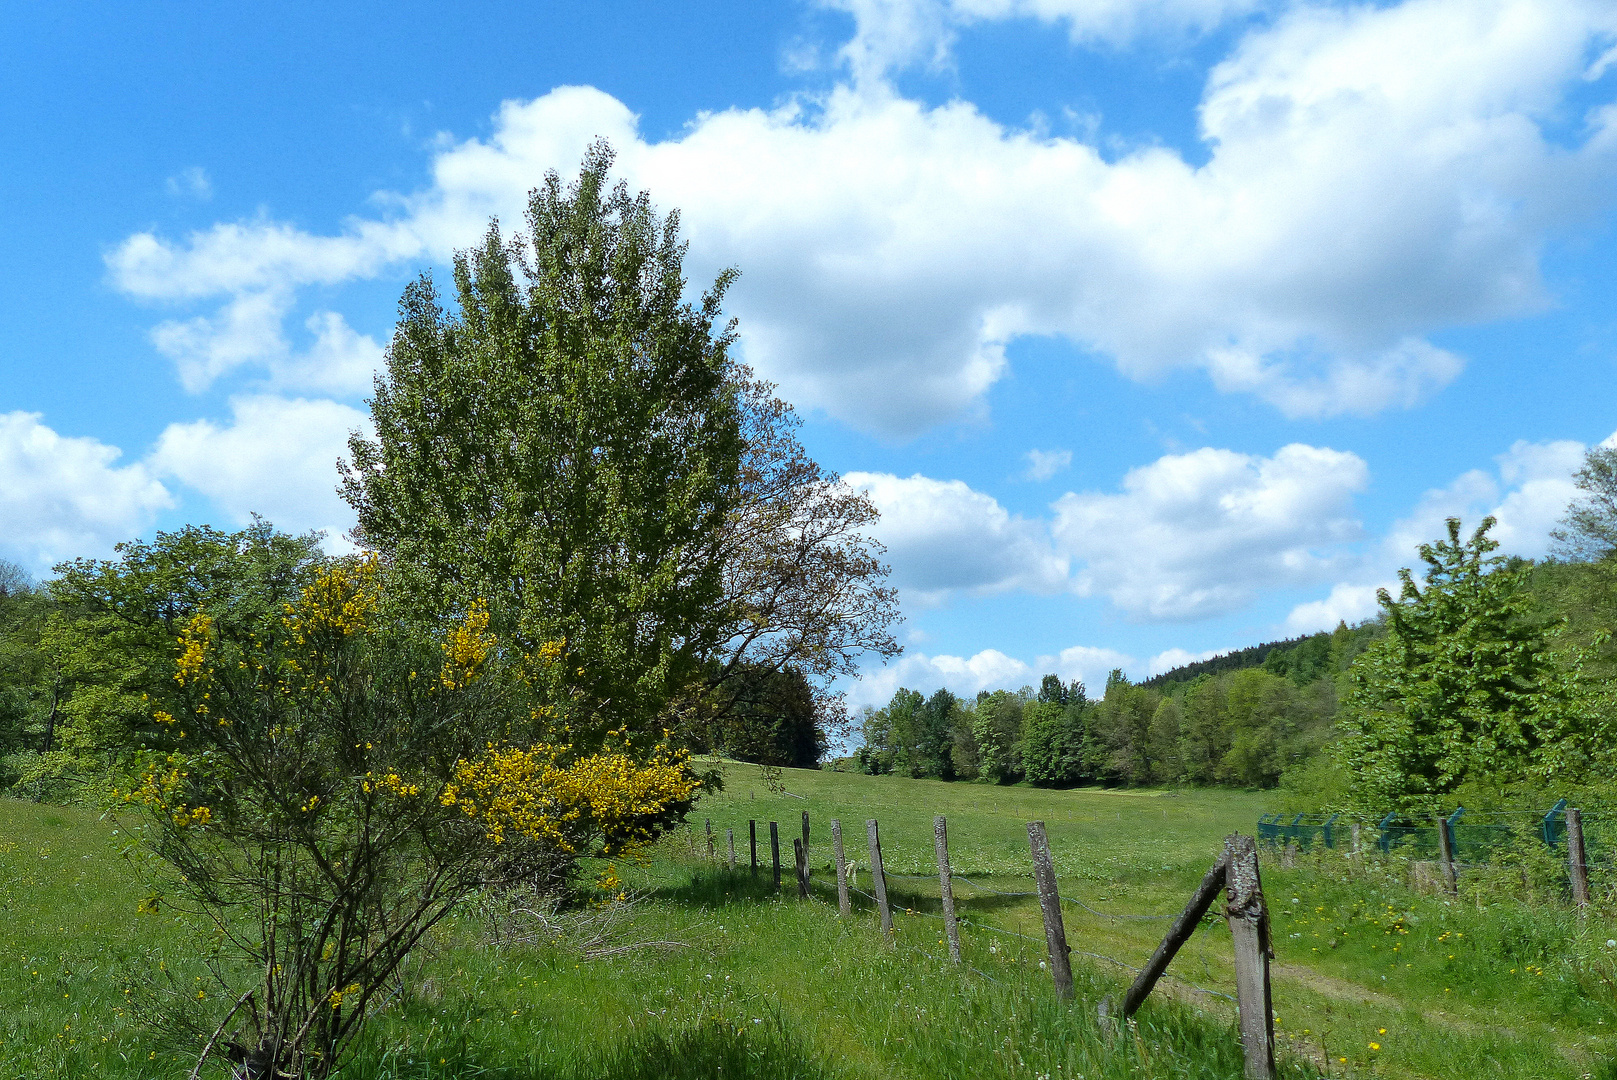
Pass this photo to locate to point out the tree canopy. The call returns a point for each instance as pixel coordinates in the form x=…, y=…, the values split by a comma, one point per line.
x=574, y=445
x=1461, y=685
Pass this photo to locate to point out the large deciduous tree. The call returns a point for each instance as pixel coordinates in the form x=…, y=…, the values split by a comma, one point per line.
x=574, y=445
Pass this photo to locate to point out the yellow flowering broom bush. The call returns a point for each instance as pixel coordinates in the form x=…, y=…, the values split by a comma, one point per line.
x=327, y=793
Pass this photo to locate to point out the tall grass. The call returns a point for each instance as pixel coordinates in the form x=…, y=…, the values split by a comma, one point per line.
x=760, y=986
x=784, y=988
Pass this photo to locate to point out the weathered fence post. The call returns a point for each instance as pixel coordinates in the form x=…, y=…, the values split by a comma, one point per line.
x=843, y=906
x=1357, y=832
x=940, y=835
x=1055, y=932
x=878, y=877
x=1445, y=856
x=1178, y=933
x=711, y=853
x=752, y=843
x=730, y=838
x=774, y=850
x=800, y=857
x=1577, y=856
x=1248, y=918
x=805, y=838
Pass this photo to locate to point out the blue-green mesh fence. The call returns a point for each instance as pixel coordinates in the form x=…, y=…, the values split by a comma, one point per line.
x=1473, y=837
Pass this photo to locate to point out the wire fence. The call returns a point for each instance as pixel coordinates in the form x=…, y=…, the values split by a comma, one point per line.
x=1234, y=875
x=963, y=921
x=1474, y=837
x=977, y=889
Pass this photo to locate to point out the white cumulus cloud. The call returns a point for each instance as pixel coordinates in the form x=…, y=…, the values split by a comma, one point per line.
x=1168, y=659
x=247, y=331
x=1375, y=172
x=1200, y=534
x=943, y=537
x=277, y=458
x=989, y=669
x=1528, y=491
x=63, y=497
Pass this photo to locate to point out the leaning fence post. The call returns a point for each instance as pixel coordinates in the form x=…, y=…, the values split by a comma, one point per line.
x=1577, y=857
x=774, y=850
x=1445, y=856
x=800, y=858
x=730, y=838
x=940, y=836
x=878, y=877
x=1055, y=932
x=1248, y=918
x=843, y=906
x=1179, y=932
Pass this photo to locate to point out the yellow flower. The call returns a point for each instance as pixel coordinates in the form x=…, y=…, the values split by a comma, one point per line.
x=193, y=643
x=526, y=792
x=467, y=648
x=340, y=602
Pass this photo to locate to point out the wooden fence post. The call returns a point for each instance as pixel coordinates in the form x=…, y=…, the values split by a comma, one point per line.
x=1577, y=856
x=843, y=905
x=1445, y=856
x=1178, y=933
x=752, y=843
x=878, y=877
x=1055, y=932
x=774, y=850
x=1248, y=918
x=800, y=857
x=940, y=835
x=1356, y=835
x=730, y=838
x=805, y=838
x=710, y=852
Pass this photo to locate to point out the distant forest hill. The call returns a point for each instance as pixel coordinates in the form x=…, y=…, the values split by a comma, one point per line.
x=1242, y=718
x=1301, y=659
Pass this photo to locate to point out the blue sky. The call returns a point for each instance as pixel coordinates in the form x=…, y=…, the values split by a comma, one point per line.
x=1154, y=327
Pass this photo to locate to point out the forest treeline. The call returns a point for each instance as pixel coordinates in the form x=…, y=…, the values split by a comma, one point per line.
x=1200, y=724
x=1485, y=678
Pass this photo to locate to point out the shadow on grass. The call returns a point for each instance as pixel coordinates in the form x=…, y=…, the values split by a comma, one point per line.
x=718, y=887
x=707, y=1050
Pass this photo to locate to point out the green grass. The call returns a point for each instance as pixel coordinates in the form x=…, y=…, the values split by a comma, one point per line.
x=770, y=988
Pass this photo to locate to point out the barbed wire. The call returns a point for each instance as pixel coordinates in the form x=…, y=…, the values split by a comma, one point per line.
x=1039, y=941
x=1074, y=901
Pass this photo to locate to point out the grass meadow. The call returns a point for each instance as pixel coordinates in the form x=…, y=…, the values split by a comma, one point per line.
x=707, y=974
